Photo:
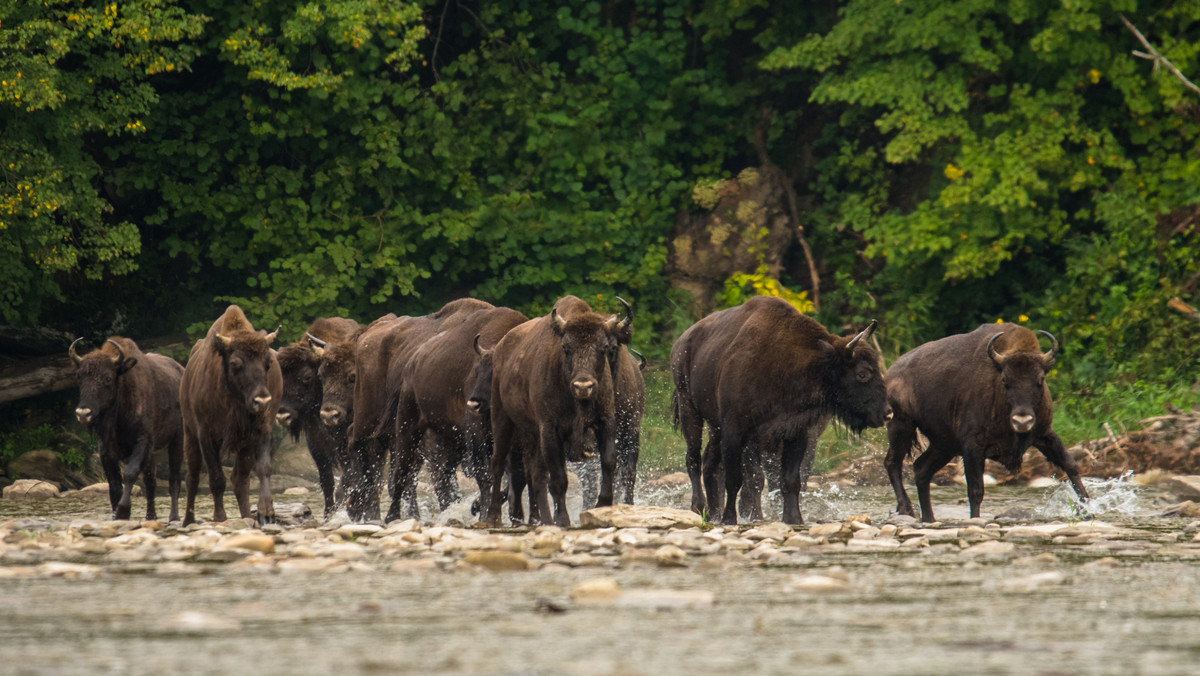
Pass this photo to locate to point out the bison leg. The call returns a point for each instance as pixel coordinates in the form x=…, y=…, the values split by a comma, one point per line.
x=443, y=466
x=191, y=453
x=133, y=467
x=973, y=472
x=793, y=453
x=174, y=460
x=263, y=468
x=732, y=443
x=150, y=482
x=517, y=483
x=750, y=503
x=321, y=448
x=924, y=467
x=714, y=475
x=112, y=472
x=549, y=471
x=1052, y=447
x=629, y=446
x=502, y=434
x=692, y=426
x=216, y=480
x=406, y=459
x=588, y=472
x=243, y=460
x=606, y=443
x=901, y=435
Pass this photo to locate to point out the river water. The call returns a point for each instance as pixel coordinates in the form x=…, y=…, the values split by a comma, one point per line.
x=1073, y=604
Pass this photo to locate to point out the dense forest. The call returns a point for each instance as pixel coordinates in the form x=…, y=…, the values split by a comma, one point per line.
x=932, y=164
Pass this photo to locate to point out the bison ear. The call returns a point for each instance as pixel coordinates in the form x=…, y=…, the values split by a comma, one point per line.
x=126, y=364
x=558, y=322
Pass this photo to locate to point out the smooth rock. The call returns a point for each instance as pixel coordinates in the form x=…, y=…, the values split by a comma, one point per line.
x=311, y=565
x=358, y=530
x=1026, y=583
x=833, y=529
x=991, y=549
x=414, y=566
x=638, y=516
x=1104, y=562
x=670, y=556
x=498, y=561
x=671, y=480
x=198, y=622
x=101, y=489
x=664, y=599
x=296, y=490
x=249, y=541
x=817, y=584
x=1186, y=509
x=30, y=489
x=68, y=570
x=598, y=590
x=1186, y=486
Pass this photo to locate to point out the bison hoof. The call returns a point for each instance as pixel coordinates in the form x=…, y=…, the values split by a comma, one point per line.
x=264, y=520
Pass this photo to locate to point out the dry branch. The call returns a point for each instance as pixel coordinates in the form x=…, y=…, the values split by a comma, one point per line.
x=1152, y=54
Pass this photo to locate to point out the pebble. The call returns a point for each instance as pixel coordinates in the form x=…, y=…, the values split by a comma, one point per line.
x=498, y=561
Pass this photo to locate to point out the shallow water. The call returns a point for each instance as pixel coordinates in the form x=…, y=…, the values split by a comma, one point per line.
x=931, y=611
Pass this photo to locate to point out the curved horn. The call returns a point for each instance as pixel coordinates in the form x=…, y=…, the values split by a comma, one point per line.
x=1049, y=356
x=991, y=350
x=559, y=322
x=866, y=333
x=478, y=350
x=120, y=353
x=71, y=351
x=225, y=341
x=316, y=342
x=628, y=312
x=271, y=336
x=641, y=359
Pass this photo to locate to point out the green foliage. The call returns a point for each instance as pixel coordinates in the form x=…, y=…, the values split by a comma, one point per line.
x=662, y=449
x=22, y=440
x=74, y=76
x=744, y=285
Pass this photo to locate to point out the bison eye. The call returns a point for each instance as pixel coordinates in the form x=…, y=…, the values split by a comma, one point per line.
x=862, y=376
x=353, y=377
x=306, y=378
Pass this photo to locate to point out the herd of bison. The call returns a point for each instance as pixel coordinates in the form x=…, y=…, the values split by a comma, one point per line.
x=511, y=400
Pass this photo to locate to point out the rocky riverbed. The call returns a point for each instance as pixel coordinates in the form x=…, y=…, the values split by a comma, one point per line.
x=643, y=590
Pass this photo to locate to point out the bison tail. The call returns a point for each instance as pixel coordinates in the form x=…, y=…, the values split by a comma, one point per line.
x=675, y=408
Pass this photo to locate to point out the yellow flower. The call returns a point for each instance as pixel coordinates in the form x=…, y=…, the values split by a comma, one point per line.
x=1094, y=75
x=1022, y=318
x=952, y=172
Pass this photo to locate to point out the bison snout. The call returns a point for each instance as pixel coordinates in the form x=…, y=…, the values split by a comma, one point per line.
x=583, y=388
x=331, y=417
x=474, y=405
x=1022, y=423
x=888, y=414
x=259, y=404
x=284, y=419
x=84, y=415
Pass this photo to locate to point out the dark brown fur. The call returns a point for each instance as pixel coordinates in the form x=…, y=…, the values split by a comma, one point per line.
x=551, y=380
x=229, y=395
x=130, y=401
x=300, y=409
x=964, y=403
x=764, y=373
x=433, y=400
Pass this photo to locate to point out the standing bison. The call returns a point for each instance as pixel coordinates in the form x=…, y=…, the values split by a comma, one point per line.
x=229, y=396
x=552, y=383
x=764, y=373
x=130, y=401
x=980, y=395
x=300, y=408
x=434, y=385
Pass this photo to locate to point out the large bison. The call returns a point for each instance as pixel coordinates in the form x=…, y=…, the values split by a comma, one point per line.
x=980, y=395
x=764, y=373
x=433, y=401
x=371, y=368
x=552, y=382
x=130, y=401
x=300, y=409
x=229, y=395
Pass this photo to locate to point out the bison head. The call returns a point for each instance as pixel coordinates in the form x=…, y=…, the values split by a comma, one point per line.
x=97, y=373
x=589, y=344
x=1023, y=374
x=481, y=375
x=859, y=395
x=245, y=360
x=301, y=386
x=337, y=375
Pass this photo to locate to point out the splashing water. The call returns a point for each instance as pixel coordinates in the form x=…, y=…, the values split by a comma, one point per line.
x=1108, y=497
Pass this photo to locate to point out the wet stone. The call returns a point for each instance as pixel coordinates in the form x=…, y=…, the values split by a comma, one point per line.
x=989, y=550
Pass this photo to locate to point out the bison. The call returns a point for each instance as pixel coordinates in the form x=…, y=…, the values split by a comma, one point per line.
x=552, y=382
x=130, y=401
x=300, y=408
x=229, y=395
x=764, y=373
x=980, y=395
x=433, y=401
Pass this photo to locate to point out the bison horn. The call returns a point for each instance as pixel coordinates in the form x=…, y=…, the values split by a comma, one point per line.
x=866, y=333
x=120, y=353
x=271, y=336
x=71, y=351
x=478, y=350
x=641, y=359
x=1049, y=356
x=628, y=312
x=316, y=342
x=559, y=322
x=991, y=350
x=225, y=341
